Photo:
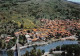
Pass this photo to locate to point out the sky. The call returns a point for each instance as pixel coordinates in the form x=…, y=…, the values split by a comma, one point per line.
x=75, y=0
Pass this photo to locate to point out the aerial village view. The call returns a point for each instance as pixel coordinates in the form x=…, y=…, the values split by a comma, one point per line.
x=39, y=27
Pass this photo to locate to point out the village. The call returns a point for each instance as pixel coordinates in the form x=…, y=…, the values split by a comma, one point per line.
x=39, y=28
x=50, y=29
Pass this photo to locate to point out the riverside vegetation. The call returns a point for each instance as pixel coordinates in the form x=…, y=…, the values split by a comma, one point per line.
x=69, y=49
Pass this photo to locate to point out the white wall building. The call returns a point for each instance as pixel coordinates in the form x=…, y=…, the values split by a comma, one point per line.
x=29, y=40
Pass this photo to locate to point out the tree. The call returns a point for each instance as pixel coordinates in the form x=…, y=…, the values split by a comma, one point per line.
x=26, y=54
x=22, y=26
x=58, y=48
x=34, y=48
x=33, y=53
x=22, y=39
x=43, y=51
x=78, y=34
x=63, y=54
x=10, y=53
x=39, y=53
x=70, y=49
x=51, y=51
x=2, y=44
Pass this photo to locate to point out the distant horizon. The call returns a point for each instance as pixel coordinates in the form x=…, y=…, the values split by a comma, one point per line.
x=78, y=1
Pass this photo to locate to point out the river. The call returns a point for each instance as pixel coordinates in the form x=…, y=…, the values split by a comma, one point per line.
x=50, y=46
x=47, y=47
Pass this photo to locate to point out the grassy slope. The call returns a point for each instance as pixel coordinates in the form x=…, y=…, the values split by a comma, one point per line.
x=27, y=13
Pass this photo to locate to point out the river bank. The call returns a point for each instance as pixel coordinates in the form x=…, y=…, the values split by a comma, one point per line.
x=36, y=44
x=52, y=45
x=40, y=43
x=47, y=47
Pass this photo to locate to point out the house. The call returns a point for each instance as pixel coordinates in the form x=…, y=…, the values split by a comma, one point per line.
x=17, y=34
x=7, y=39
x=4, y=35
x=35, y=39
x=53, y=28
x=27, y=36
x=29, y=40
x=73, y=37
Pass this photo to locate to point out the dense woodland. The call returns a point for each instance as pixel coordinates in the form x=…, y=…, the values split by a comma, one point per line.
x=26, y=14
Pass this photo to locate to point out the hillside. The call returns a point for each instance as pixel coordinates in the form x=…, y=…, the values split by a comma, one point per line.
x=25, y=13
